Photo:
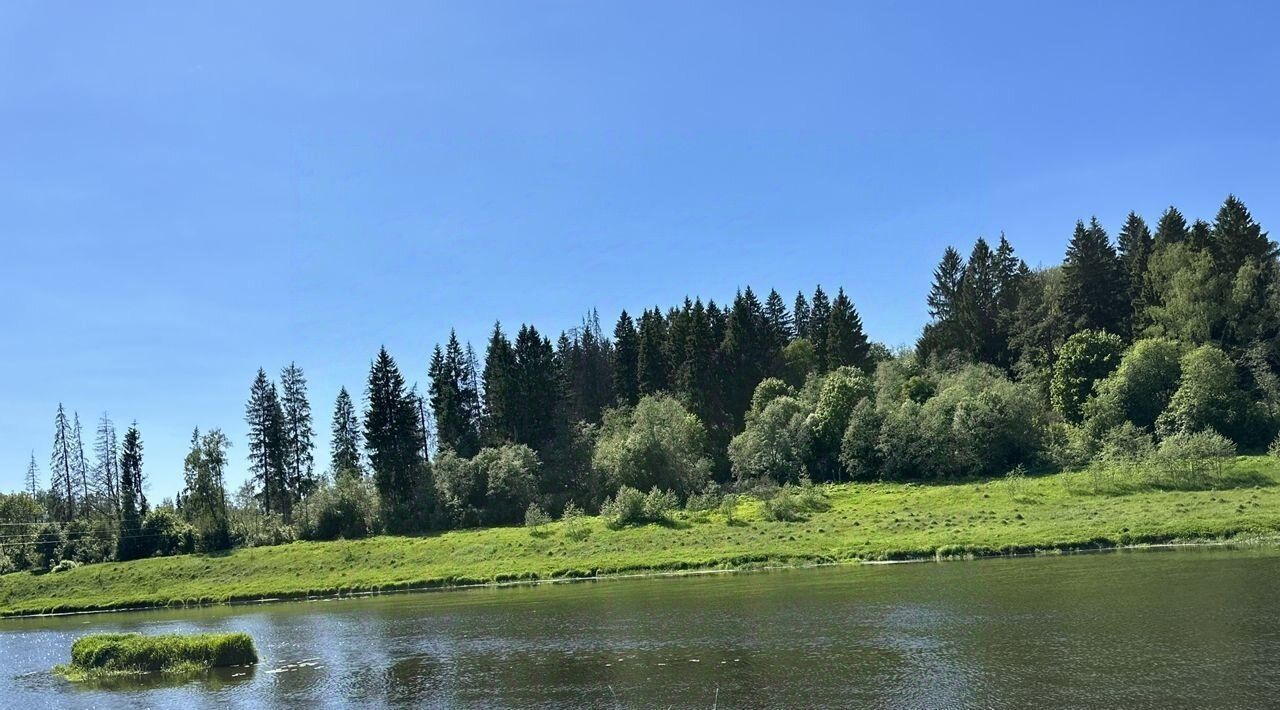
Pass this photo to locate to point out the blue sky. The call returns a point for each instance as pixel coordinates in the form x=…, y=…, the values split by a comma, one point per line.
x=189, y=191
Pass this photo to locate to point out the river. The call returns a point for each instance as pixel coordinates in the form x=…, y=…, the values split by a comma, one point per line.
x=1158, y=629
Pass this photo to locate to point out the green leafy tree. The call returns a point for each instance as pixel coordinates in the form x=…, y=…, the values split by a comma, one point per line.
x=1138, y=390
x=1209, y=397
x=658, y=444
x=775, y=444
x=510, y=474
x=1084, y=360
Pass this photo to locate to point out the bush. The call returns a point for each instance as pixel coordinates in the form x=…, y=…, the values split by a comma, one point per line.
x=107, y=654
x=1209, y=397
x=164, y=533
x=706, y=499
x=774, y=444
x=631, y=507
x=1083, y=360
x=729, y=508
x=575, y=523
x=347, y=509
x=782, y=507
x=1192, y=460
x=535, y=518
x=7, y=564
x=510, y=474
x=65, y=566
x=1274, y=449
x=50, y=541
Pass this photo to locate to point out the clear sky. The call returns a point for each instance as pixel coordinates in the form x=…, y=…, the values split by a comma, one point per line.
x=191, y=190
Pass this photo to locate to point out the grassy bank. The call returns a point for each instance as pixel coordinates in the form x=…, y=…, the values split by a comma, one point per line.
x=106, y=655
x=874, y=521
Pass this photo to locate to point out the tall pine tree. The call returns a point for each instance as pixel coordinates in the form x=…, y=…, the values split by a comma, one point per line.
x=393, y=442
x=132, y=503
x=106, y=469
x=846, y=342
x=61, y=467
x=500, y=393
x=626, y=361
x=267, y=450
x=1135, y=246
x=299, y=444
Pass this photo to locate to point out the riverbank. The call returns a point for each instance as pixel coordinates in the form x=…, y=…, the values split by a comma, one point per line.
x=865, y=522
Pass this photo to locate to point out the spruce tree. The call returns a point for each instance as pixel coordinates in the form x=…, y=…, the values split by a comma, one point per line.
x=106, y=470
x=977, y=304
x=80, y=462
x=267, y=450
x=745, y=354
x=537, y=390
x=1237, y=238
x=299, y=444
x=846, y=343
x=393, y=442
x=819, y=315
x=696, y=378
x=1171, y=229
x=654, y=369
x=800, y=315
x=779, y=320
x=1135, y=247
x=132, y=504
x=499, y=389
x=946, y=286
x=33, y=478
x=454, y=399
x=626, y=361
x=1093, y=282
x=344, y=444
x=61, y=463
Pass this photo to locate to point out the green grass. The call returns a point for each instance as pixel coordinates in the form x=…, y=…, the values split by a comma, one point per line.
x=106, y=655
x=872, y=521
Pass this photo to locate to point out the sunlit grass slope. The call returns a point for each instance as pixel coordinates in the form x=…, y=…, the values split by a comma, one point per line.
x=873, y=521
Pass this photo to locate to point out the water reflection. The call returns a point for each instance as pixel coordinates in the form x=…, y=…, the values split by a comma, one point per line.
x=1193, y=628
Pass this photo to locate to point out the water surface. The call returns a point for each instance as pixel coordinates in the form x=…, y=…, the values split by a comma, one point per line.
x=1187, y=628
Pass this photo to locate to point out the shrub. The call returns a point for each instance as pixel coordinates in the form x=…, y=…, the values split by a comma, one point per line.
x=50, y=541
x=510, y=474
x=774, y=444
x=164, y=533
x=347, y=509
x=811, y=498
x=631, y=507
x=782, y=507
x=535, y=518
x=1191, y=460
x=729, y=508
x=858, y=453
x=1209, y=397
x=575, y=523
x=1274, y=449
x=706, y=499
x=108, y=654
x=65, y=566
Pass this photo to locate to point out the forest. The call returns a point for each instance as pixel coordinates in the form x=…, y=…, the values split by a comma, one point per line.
x=1162, y=345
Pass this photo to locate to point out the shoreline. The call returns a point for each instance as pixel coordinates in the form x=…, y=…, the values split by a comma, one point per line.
x=1240, y=539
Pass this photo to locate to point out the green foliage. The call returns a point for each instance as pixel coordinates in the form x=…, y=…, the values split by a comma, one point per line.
x=1209, y=397
x=165, y=533
x=535, y=519
x=1138, y=390
x=108, y=654
x=1274, y=449
x=658, y=444
x=511, y=474
x=729, y=508
x=631, y=507
x=1085, y=359
x=346, y=509
x=774, y=444
x=576, y=527
x=65, y=565
x=859, y=447
x=1192, y=460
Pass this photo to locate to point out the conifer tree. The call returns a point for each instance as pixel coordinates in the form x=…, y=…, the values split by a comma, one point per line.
x=1093, y=282
x=454, y=399
x=537, y=390
x=299, y=444
x=79, y=462
x=267, y=450
x=654, y=370
x=499, y=389
x=585, y=363
x=846, y=342
x=745, y=354
x=61, y=463
x=344, y=444
x=696, y=378
x=819, y=315
x=132, y=503
x=393, y=442
x=106, y=470
x=1135, y=247
x=977, y=307
x=626, y=361
x=800, y=315
x=33, y=477
x=1237, y=238
x=1171, y=229
x=946, y=286
x=779, y=320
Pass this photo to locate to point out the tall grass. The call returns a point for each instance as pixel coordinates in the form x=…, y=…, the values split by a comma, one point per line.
x=112, y=654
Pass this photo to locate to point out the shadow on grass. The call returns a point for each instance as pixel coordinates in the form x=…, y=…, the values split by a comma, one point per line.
x=1110, y=483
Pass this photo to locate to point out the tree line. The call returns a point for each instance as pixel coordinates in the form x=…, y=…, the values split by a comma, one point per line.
x=1127, y=345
